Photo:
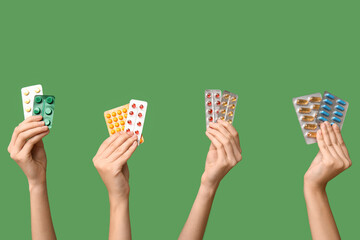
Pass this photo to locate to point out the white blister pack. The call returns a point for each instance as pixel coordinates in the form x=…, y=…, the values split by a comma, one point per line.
x=307, y=108
x=136, y=117
x=27, y=95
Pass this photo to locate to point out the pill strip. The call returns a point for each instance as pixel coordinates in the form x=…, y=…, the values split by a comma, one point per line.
x=212, y=105
x=27, y=95
x=307, y=108
x=116, y=118
x=332, y=109
x=136, y=117
x=44, y=105
x=228, y=106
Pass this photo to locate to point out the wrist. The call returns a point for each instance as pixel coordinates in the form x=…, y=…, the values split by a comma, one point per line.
x=313, y=188
x=37, y=186
x=208, y=190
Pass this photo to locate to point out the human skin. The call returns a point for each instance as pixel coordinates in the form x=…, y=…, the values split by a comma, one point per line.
x=224, y=153
x=111, y=163
x=26, y=148
x=333, y=158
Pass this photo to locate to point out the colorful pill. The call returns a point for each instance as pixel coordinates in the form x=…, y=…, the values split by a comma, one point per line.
x=121, y=117
x=125, y=115
x=140, y=115
x=131, y=113
x=338, y=107
x=113, y=114
x=310, y=126
x=217, y=95
x=223, y=111
x=307, y=118
x=222, y=118
x=322, y=119
x=316, y=107
x=48, y=111
x=37, y=110
x=28, y=109
x=119, y=112
x=211, y=119
x=339, y=114
x=311, y=134
x=26, y=92
x=231, y=114
x=134, y=105
x=224, y=103
x=341, y=102
x=209, y=103
x=327, y=108
x=108, y=115
x=304, y=110
x=232, y=106
x=137, y=132
x=115, y=119
x=27, y=101
x=111, y=126
x=328, y=102
x=336, y=119
x=210, y=111
x=233, y=99
x=37, y=90
x=47, y=122
x=116, y=124
x=141, y=106
x=124, y=110
x=129, y=122
x=315, y=99
x=218, y=103
x=127, y=130
x=208, y=95
x=109, y=121
x=230, y=121
x=226, y=96
x=112, y=131
x=139, y=124
x=38, y=99
x=122, y=128
x=49, y=100
x=118, y=129
x=326, y=114
x=302, y=102
x=328, y=95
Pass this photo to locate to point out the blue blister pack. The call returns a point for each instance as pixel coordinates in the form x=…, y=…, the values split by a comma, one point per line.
x=332, y=109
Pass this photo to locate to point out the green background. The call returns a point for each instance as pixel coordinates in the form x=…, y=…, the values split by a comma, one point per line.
x=96, y=55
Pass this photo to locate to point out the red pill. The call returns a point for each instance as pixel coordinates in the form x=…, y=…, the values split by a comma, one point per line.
x=210, y=119
x=129, y=122
x=137, y=132
x=140, y=115
x=210, y=111
x=209, y=103
x=139, y=124
x=208, y=95
x=218, y=103
x=217, y=95
x=133, y=106
x=131, y=112
x=141, y=106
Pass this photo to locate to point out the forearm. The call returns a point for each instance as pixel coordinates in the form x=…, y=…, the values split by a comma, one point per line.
x=119, y=219
x=196, y=223
x=41, y=222
x=321, y=220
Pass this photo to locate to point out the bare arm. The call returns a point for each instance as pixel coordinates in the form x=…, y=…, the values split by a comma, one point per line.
x=223, y=155
x=27, y=149
x=332, y=159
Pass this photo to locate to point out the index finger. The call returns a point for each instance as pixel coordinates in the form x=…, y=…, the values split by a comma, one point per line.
x=107, y=142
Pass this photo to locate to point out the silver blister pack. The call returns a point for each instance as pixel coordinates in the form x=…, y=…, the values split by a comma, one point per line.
x=228, y=106
x=212, y=105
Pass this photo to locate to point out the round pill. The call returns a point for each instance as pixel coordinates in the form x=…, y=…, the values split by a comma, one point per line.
x=128, y=130
x=217, y=95
x=232, y=106
x=121, y=117
x=48, y=111
x=122, y=128
x=129, y=122
x=111, y=126
x=119, y=112
x=210, y=111
x=124, y=110
x=224, y=103
x=37, y=111
x=231, y=114
x=108, y=115
x=218, y=103
x=141, y=106
x=38, y=99
x=122, y=122
x=109, y=121
x=328, y=95
x=226, y=96
x=47, y=122
x=49, y=100
x=125, y=115
x=140, y=115
x=116, y=124
x=118, y=129
x=209, y=103
x=211, y=119
x=223, y=111
x=208, y=95
x=233, y=99
x=27, y=101
x=134, y=105
x=131, y=112
x=137, y=132
x=222, y=118
x=113, y=114
x=37, y=90
x=139, y=124
x=115, y=119
x=230, y=121
x=112, y=131
x=28, y=109
x=26, y=92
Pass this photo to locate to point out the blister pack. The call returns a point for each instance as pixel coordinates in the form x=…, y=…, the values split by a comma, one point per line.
x=307, y=108
x=44, y=105
x=332, y=109
x=227, y=106
x=136, y=117
x=212, y=105
x=116, y=118
x=27, y=95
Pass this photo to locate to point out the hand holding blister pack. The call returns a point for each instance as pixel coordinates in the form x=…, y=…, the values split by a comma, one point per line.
x=314, y=109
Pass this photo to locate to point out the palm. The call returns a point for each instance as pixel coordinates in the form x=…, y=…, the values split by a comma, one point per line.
x=35, y=166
